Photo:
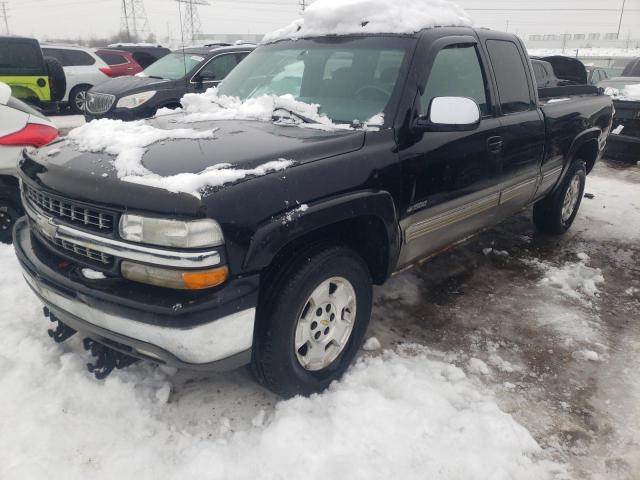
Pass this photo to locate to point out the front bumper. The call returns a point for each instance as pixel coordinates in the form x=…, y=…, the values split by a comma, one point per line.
x=125, y=114
x=215, y=335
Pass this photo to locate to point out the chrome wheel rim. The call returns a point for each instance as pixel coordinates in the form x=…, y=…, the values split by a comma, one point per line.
x=325, y=323
x=81, y=100
x=571, y=198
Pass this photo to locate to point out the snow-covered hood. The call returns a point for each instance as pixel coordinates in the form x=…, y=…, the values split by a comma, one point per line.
x=235, y=148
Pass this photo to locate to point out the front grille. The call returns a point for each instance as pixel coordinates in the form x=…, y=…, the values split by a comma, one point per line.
x=70, y=212
x=87, y=253
x=99, y=102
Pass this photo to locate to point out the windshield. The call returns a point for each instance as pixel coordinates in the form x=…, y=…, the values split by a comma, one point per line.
x=173, y=66
x=350, y=79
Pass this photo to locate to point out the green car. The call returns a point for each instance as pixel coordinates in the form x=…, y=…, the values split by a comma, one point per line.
x=32, y=77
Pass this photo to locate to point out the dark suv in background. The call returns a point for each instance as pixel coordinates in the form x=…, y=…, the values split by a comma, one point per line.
x=164, y=83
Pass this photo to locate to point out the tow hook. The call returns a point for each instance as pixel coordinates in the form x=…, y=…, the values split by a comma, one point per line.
x=62, y=332
x=106, y=359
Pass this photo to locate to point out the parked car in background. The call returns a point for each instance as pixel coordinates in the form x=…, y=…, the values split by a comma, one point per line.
x=121, y=63
x=442, y=134
x=143, y=54
x=164, y=83
x=596, y=74
x=83, y=69
x=33, y=78
x=20, y=126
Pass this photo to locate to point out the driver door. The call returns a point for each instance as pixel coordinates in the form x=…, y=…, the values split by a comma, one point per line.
x=450, y=178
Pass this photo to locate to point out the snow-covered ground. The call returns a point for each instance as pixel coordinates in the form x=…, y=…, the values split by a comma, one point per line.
x=511, y=357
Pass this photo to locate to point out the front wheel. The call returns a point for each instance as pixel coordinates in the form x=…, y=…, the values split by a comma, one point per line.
x=556, y=213
x=78, y=99
x=313, y=323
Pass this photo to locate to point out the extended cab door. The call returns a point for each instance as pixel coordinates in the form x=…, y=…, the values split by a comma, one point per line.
x=450, y=178
x=522, y=129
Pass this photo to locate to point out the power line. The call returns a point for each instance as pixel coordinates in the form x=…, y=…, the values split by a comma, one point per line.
x=5, y=17
x=191, y=25
x=134, y=19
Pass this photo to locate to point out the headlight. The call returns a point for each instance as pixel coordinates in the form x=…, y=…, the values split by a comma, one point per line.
x=135, y=100
x=171, y=233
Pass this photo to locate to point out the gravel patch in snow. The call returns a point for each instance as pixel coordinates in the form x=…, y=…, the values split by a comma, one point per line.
x=343, y=17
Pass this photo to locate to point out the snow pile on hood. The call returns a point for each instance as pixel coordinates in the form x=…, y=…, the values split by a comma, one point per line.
x=629, y=93
x=209, y=106
x=214, y=176
x=344, y=17
x=128, y=142
x=405, y=414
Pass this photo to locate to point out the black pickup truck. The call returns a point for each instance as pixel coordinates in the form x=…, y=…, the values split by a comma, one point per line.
x=276, y=270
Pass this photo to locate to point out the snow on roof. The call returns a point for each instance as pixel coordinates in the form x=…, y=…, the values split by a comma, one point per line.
x=343, y=17
x=629, y=93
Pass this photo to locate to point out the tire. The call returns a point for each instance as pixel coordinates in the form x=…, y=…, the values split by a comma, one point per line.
x=555, y=213
x=57, y=78
x=78, y=98
x=10, y=212
x=288, y=313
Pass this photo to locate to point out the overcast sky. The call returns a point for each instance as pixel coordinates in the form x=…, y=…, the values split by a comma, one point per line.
x=100, y=18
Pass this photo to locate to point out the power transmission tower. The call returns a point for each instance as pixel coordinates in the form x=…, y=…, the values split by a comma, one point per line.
x=191, y=25
x=303, y=5
x=5, y=16
x=134, y=20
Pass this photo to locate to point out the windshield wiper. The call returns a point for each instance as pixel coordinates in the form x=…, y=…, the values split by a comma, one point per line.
x=291, y=113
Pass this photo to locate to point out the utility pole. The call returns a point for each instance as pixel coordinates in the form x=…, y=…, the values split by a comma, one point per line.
x=5, y=16
x=303, y=5
x=134, y=19
x=621, y=15
x=191, y=25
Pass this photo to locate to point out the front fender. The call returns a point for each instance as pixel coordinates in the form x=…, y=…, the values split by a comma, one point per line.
x=275, y=234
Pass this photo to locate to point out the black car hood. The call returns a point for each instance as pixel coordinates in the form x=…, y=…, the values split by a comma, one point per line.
x=122, y=86
x=241, y=144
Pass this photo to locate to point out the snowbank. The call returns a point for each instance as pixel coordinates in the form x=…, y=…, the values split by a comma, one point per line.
x=405, y=414
x=628, y=93
x=343, y=17
x=128, y=142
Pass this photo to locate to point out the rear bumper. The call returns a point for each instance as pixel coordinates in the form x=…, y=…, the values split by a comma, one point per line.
x=223, y=342
x=623, y=147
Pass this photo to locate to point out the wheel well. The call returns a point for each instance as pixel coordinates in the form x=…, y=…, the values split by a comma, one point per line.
x=366, y=235
x=76, y=87
x=588, y=152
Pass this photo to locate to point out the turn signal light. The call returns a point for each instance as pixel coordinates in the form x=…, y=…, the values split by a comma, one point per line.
x=208, y=279
x=33, y=134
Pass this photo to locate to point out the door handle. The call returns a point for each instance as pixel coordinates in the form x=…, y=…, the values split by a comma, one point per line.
x=494, y=144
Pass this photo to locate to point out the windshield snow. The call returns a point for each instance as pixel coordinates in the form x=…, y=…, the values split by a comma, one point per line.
x=349, y=79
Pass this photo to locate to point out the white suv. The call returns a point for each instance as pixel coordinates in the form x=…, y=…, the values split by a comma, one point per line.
x=83, y=69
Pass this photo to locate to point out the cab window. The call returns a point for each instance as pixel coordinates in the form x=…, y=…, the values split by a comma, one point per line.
x=457, y=72
x=511, y=76
x=218, y=68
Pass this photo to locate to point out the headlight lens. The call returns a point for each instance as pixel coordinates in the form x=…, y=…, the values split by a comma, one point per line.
x=171, y=233
x=135, y=100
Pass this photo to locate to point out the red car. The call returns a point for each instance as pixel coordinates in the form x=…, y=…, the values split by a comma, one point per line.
x=121, y=63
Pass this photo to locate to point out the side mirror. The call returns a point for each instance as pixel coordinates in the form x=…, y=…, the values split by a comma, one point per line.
x=451, y=114
x=5, y=93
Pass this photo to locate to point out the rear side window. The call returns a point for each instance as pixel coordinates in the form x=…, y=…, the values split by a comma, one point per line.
x=218, y=68
x=511, y=77
x=539, y=73
x=456, y=72
x=78, y=58
x=112, y=58
x=18, y=58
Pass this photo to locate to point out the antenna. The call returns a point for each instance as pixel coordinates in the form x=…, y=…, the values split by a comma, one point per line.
x=5, y=16
x=134, y=20
x=191, y=25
